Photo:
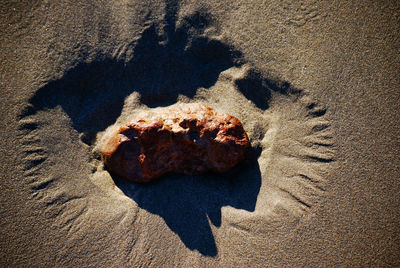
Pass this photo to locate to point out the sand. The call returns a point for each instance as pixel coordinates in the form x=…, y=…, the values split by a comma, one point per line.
x=315, y=84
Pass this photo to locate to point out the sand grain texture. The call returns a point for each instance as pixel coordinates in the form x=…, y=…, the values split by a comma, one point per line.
x=315, y=84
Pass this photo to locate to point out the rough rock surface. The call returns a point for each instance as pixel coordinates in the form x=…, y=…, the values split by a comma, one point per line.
x=187, y=138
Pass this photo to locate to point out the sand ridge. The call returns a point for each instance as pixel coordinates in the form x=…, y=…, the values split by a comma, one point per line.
x=286, y=173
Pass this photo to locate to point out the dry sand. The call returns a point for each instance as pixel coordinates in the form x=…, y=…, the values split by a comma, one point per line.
x=315, y=84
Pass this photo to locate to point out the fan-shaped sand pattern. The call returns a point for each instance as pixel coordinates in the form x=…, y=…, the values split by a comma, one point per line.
x=286, y=173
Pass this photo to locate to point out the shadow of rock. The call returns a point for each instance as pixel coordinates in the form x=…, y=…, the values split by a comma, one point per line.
x=179, y=61
x=187, y=202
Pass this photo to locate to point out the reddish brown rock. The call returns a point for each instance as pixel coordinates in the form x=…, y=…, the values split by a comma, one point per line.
x=188, y=139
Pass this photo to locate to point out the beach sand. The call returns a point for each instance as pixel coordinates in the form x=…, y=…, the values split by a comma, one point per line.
x=315, y=84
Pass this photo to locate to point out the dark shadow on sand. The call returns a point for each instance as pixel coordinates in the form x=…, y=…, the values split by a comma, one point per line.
x=179, y=60
x=187, y=202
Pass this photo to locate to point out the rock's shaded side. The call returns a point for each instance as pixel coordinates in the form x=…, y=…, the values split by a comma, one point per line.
x=187, y=138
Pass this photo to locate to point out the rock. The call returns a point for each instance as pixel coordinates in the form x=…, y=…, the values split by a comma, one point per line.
x=186, y=138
